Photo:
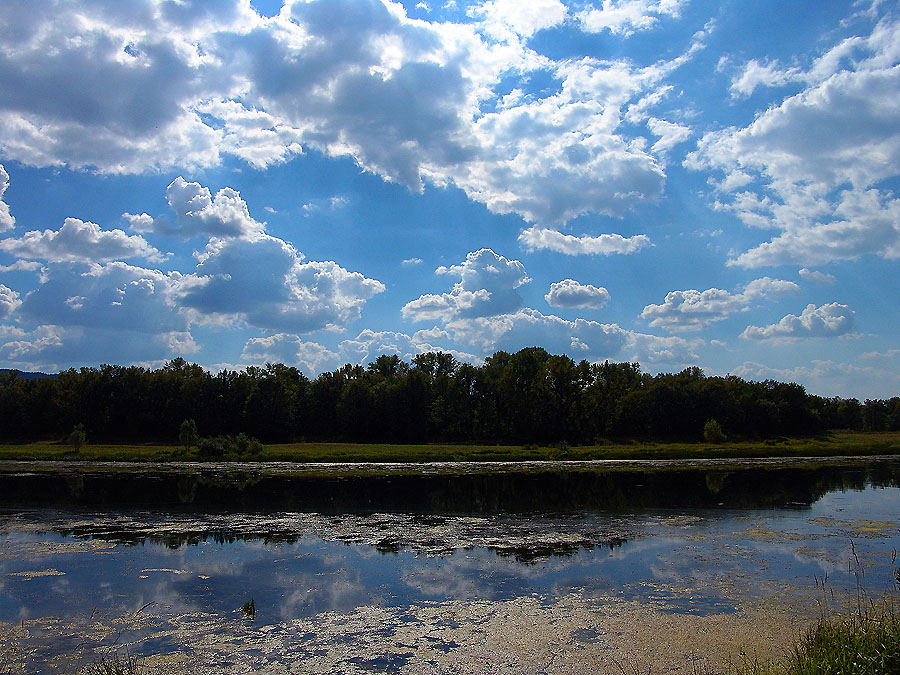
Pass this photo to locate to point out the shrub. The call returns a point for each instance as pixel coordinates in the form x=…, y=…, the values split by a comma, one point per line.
x=211, y=447
x=77, y=438
x=247, y=445
x=712, y=432
x=187, y=434
x=217, y=447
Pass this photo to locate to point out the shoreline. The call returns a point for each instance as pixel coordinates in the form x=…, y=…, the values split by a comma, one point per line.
x=832, y=444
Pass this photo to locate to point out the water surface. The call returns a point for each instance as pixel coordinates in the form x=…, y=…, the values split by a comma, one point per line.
x=411, y=590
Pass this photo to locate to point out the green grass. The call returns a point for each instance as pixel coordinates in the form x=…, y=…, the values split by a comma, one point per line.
x=836, y=443
x=858, y=645
x=867, y=644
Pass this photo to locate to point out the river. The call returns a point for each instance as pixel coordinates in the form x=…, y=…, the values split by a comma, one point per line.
x=544, y=568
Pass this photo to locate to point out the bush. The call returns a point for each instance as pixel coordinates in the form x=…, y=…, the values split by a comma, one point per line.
x=217, y=447
x=246, y=445
x=187, y=434
x=211, y=447
x=712, y=432
x=77, y=438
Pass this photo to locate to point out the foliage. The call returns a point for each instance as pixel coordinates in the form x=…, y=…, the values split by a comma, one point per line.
x=218, y=447
x=521, y=398
x=77, y=437
x=712, y=432
x=187, y=434
x=863, y=645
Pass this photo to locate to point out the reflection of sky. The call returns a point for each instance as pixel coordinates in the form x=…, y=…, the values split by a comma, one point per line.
x=703, y=556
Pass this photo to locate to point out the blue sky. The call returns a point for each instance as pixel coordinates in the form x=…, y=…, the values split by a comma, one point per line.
x=673, y=182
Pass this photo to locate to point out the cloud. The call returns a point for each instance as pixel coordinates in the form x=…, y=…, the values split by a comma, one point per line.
x=111, y=296
x=367, y=346
x=538, y=238
x=78, y=240
x=484, y=311
x=652, y=349
x=817, y=277
x=149, y=88
x=549, y=160
x=625, y=17
x=864, y=223
x=829, y=320
x=890, y=355
x=756, y=74
x=507, y=19
x=112, y=88
x=820, y=158
x=199, y=214
x=570, y=293
x=412, y=261
x=9, y=301
x=528, y=327
x=312, y=358
x=694, y=310
x=7, y=222
x=51, y=348
x=264, y=282
x=829, y=378
x=670, y=134
x=22, y=266
x=486, y=287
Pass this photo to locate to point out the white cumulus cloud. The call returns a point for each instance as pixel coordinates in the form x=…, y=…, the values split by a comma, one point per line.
x=539, y=238
x=830, y=320
x=625, y=17
x=111, y=296
x=816, y=276
x=198, y=213
x=671, y=351
x=9, y=301
x=820, y=158
x=264, y=282
x=529, y=327
x=504, y=19
x=486, y=287
x=51, y=348
x=310, y=357
x=160, y=86
x=756, y=74
x=571, y=293
x=7, y=222
x=691, y=309
x=78, y=240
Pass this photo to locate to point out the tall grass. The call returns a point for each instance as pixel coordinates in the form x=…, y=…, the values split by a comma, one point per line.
x=862, y=640
x=861, y=645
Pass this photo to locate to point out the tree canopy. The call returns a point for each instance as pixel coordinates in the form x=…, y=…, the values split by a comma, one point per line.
x=530, y=396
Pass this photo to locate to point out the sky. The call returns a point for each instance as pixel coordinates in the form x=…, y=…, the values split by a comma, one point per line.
x=671, y=182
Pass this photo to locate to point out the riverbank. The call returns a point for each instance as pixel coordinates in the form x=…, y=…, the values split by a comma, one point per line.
x=832, y=444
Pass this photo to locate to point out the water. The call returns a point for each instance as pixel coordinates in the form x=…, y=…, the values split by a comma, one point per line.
x=398, y=591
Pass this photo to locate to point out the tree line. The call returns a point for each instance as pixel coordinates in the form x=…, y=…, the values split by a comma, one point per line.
x=530, y=396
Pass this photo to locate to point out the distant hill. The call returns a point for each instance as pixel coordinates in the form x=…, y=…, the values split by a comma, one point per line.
x=26, y=375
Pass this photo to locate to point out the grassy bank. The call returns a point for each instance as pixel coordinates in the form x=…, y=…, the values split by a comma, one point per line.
x=833, y=444
x=866, y=643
